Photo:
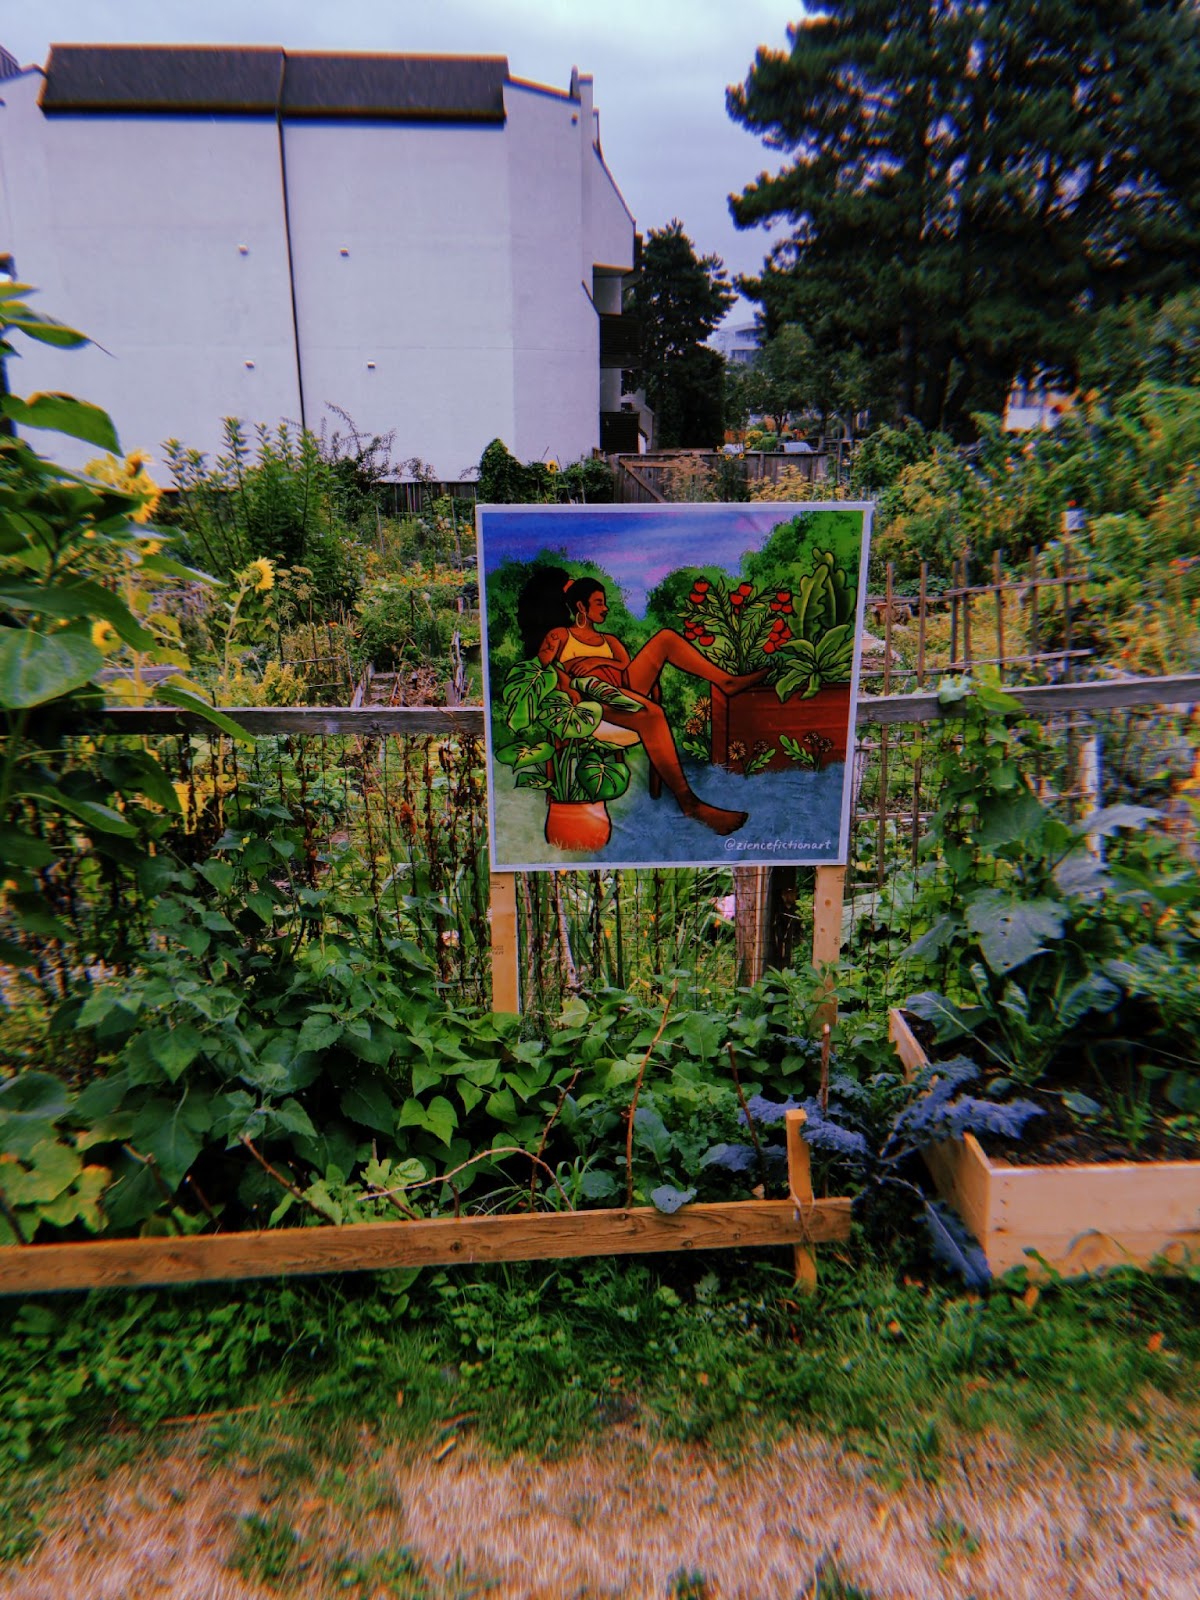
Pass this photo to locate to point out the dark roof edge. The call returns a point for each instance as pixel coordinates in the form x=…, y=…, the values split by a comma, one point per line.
x=266, y=80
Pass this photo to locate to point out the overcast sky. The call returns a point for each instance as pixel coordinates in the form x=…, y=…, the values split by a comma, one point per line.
x=660, y=67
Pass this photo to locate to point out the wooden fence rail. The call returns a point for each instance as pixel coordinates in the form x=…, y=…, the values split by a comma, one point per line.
x=1108, y=694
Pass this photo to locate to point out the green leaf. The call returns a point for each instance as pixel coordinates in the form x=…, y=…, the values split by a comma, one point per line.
x=369, y=1104
x=76, y=600
x=438, y=1117
x=607, y=693
x=30, y=1105
x=1010, y=932
x=650, y=1132
x=63, y=414
x=35, y=326
x=41, y=1175
x=574, y=1013
x=171, y=1134
x=133, y=1196
x=952, y=690
x=219, y=873
x=102, y=818
x=425, y=1074
x=601, y=773
x=318, y=1033
x=100, y=1098
x=1012, y=820
x=290, y=1117
x=525, y=690
x=502, y=1107
x=172, y=1049
x=597, y=1185
x=172, y=694
x=36, y=667
x=949, y=1021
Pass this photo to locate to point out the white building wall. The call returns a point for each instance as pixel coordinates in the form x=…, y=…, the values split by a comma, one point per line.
x=132, y=229
x=424, y=290
x=556, y=332
x=466, y=280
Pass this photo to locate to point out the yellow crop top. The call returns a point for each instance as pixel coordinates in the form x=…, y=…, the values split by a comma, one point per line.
x=576, y=650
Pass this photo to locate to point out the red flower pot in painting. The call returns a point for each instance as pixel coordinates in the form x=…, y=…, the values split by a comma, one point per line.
x=578, y=824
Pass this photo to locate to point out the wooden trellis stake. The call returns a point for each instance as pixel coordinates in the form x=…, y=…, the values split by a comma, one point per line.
x=827, y=929
x=506, y=962
x=801, y=1191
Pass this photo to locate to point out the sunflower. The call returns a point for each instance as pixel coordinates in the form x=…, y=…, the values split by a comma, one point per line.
x=261, y=574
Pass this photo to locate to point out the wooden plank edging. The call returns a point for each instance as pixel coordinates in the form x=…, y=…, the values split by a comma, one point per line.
x=442, y=1241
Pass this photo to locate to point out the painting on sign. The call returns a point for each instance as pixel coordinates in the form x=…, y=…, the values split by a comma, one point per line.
x=670, y=685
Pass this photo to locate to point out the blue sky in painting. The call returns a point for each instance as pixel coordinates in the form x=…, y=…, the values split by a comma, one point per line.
x=639, y=547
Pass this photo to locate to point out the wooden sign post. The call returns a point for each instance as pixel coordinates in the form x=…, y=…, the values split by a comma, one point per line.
x=827, y=930
x=506, y=961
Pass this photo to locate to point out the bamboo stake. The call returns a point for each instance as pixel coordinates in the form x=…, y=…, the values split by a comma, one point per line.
x=998, y=586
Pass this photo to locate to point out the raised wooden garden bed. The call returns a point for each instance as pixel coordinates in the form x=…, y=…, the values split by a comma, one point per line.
x=1078, y=1218
x=758, y=716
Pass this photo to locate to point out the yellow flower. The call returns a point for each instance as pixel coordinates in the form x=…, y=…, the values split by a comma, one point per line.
x=104, y=636
x=262, y=574
x=130, y=476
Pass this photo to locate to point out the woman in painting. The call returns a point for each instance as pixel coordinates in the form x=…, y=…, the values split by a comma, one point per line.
x=560, y=621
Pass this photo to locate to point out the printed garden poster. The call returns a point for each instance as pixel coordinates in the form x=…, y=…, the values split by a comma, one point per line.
x=671, y=685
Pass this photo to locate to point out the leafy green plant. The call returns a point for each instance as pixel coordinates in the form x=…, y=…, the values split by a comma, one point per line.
x=1036, y=929
x=274, y=497
x=551, y=742
x=809, y=667
x=63, y=539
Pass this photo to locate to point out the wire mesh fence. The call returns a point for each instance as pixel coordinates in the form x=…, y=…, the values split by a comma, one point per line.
x=384, y=835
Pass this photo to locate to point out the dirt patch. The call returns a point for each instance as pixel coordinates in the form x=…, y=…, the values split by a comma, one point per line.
x=624, y=1522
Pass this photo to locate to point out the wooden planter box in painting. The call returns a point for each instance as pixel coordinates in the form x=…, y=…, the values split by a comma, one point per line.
x=1079, y=1218
x=758, y=716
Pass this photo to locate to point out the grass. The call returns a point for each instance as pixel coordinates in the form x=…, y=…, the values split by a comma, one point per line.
x=546, y=1361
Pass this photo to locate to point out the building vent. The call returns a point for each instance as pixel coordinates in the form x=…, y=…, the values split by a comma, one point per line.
x=10, y=67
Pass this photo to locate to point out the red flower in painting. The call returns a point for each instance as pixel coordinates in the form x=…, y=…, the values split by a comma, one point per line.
x=708, y=638
x=701, y=586
x=737, y=600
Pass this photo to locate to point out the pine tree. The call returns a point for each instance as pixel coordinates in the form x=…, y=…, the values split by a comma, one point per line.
x=679, y=298
x=971, y=181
